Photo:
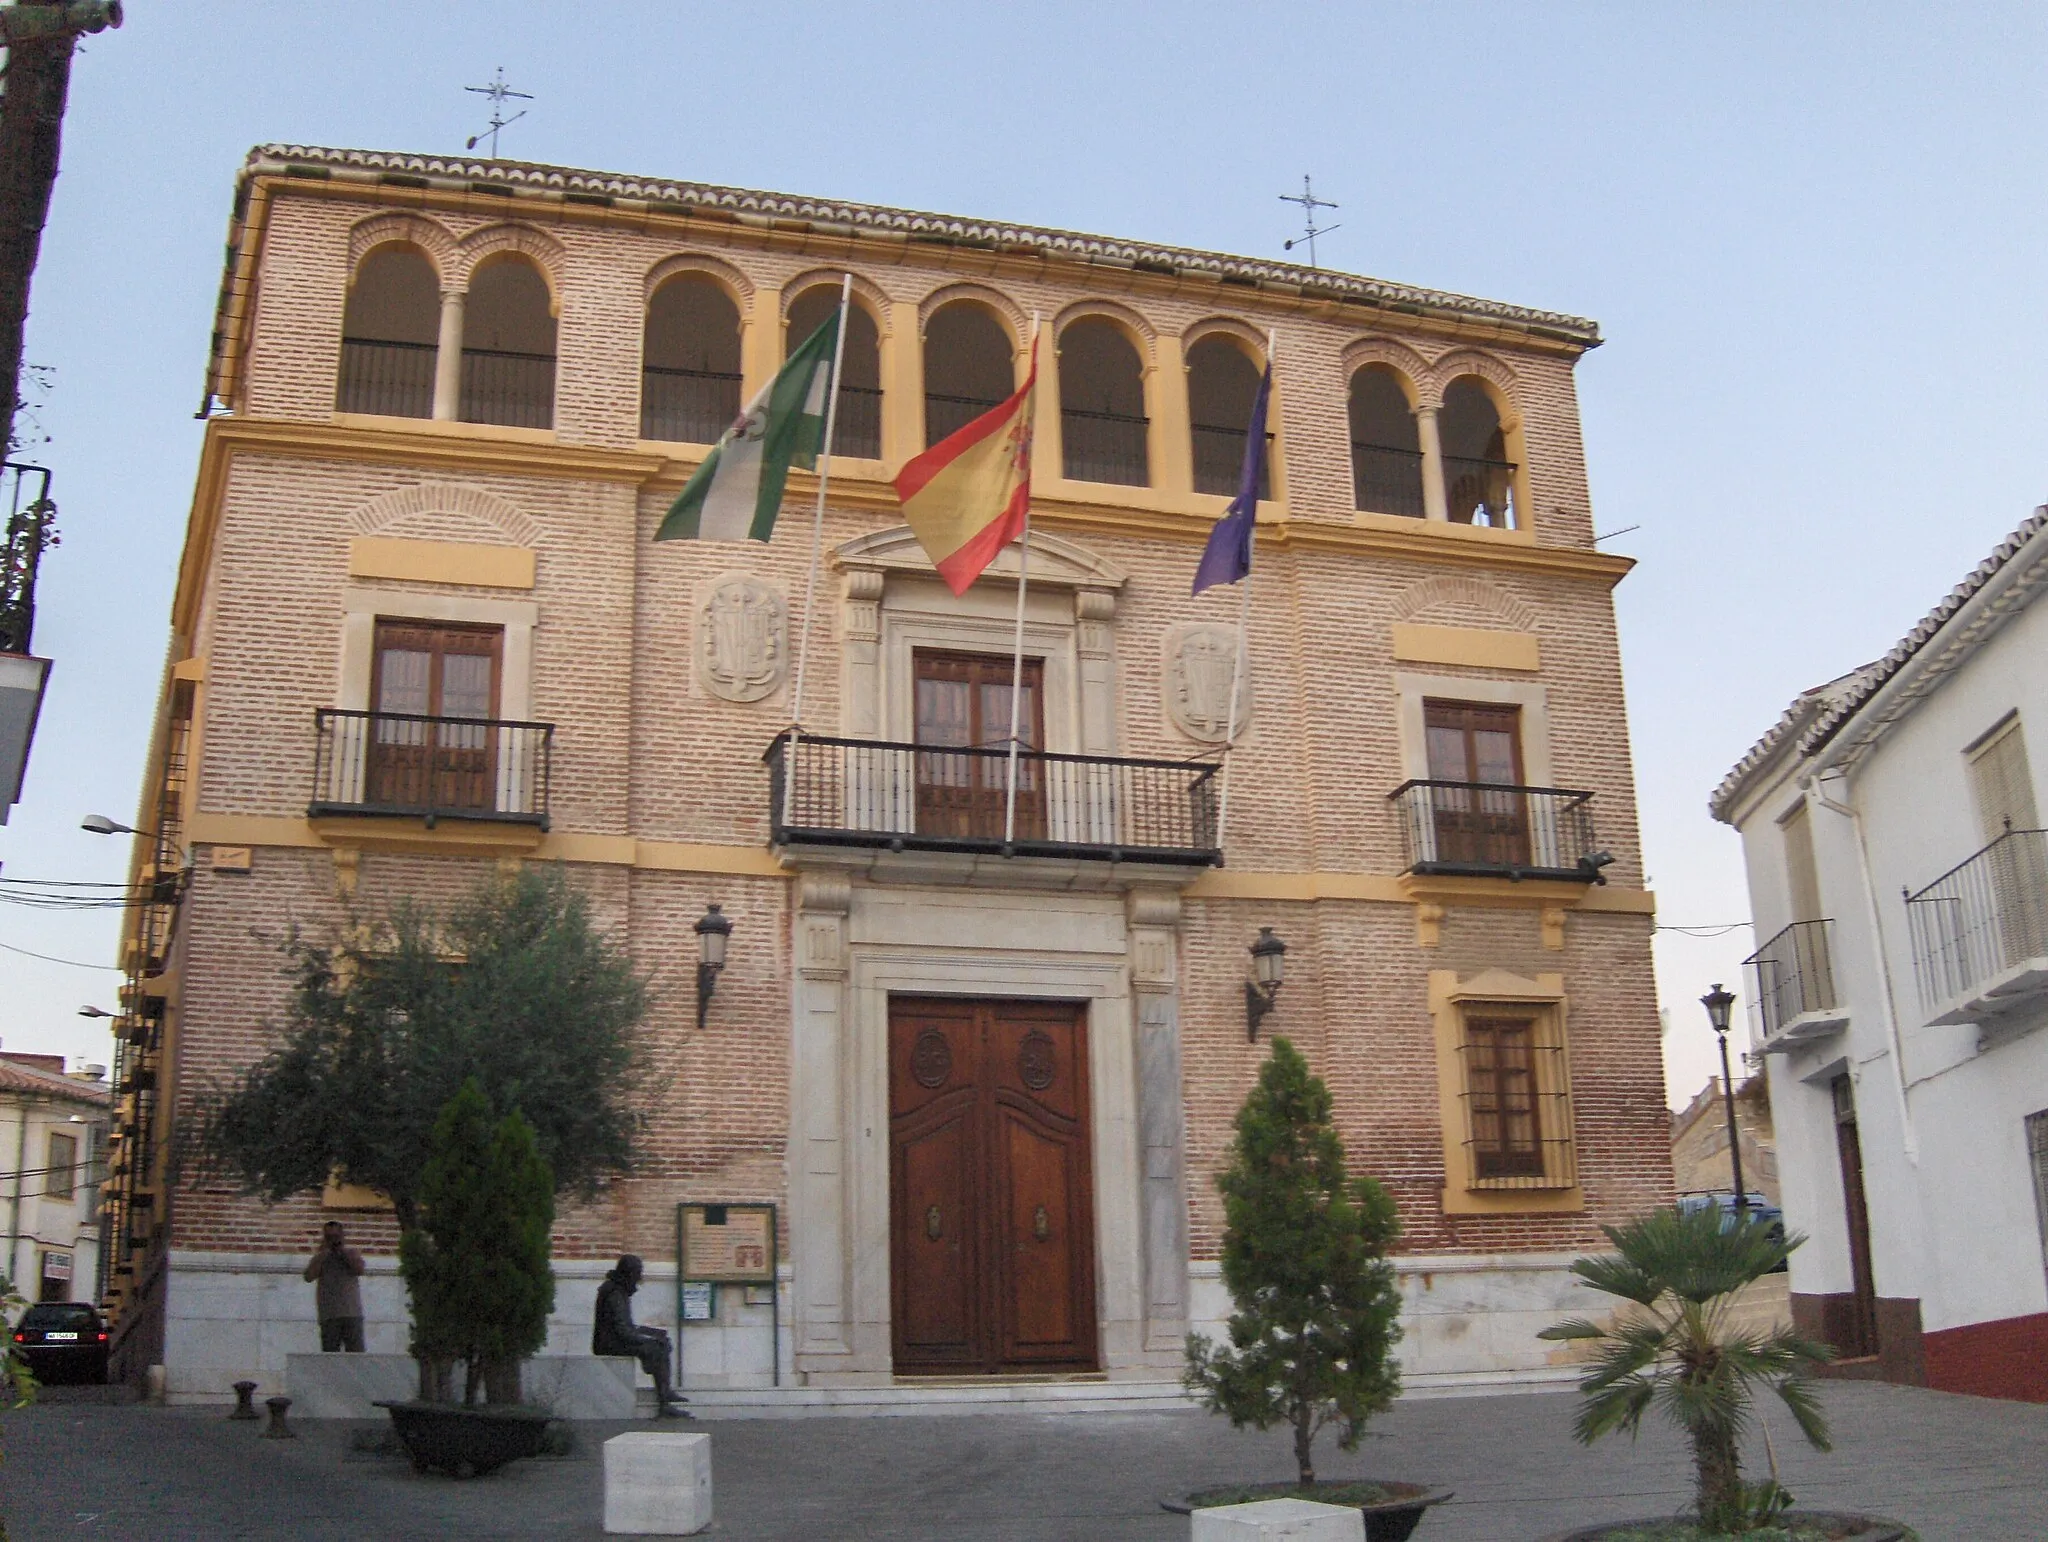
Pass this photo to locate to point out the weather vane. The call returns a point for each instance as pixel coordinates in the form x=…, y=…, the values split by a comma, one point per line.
x=1309, y=204
x=498, y=92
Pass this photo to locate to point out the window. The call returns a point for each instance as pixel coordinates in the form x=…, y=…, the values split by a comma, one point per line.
x=1102, y=405
x=424, y=675
x=508, y=345
x=2002, y=782
x=2018, y=859
x=858, y=429
x=1475, y=748
x=1478, y=477
x=1386, y=450
x=963, y=700
x=1223, y=383
x=968, y=367
x=60, y=1181
x=1802, y=875
x=390, y=331
x=55, y=1286
x=1504, y=1084
x=1501, y=1097
x=690, y=362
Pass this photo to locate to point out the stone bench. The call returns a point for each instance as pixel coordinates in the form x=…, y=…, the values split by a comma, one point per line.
x=349, y=1386
x=1278, y=1520
x=657, y=1484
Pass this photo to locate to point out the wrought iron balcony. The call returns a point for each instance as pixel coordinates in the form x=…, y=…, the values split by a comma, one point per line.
x=393, y=379
x=1795, y=985
x=1385, y=480
x=945, y=414
x=1219, y=460
x=687, y=406
x=1480, y=830
x=911, y=797
x=432, y=768
x=1980, y=931
x=1480, y=492
x=1105, y=447
x=515, y=389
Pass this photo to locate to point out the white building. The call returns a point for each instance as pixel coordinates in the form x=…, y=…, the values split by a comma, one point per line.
x=1897, y=864
x=53, y=1141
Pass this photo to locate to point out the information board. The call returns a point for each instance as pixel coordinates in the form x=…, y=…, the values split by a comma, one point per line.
x=728, y=1244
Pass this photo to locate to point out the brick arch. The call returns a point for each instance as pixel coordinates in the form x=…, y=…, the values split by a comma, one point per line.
x=1142, y=333
x=1461, y=600
x=1004, y=307
x=430, y=236
x=431, y=508
x=1226, y=326
x=738, y=287
x=544, y=249
x=865, y=291
x=1413, y=371
x=1469, y=361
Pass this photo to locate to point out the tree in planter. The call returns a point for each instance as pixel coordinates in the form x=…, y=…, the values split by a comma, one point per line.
x=477, y=1262
x=1680, y=1350
x=1305, y=1260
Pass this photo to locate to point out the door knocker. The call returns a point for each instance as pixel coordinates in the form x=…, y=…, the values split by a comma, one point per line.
x=1041, y=1225
x=932, y=1224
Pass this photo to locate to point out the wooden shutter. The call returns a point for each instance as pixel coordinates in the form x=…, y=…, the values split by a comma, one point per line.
x=1801, y=873
x=2003, y=783
x=1473, y=741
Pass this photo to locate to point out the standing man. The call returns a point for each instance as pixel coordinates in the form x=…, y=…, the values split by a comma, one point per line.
x=337, y=1301
x=613, y=1333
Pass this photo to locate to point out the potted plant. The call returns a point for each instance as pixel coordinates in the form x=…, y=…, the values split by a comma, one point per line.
x=1317, y=1313
x=1674, y=1344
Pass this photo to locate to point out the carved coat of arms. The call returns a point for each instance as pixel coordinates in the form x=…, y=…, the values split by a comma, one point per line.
x=1199, y=665
x=742, y=638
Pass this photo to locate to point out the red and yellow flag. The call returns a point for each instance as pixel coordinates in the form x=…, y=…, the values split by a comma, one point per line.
x=966, y=497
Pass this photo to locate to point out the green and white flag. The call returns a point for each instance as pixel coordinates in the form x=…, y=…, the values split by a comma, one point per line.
x=737, y=492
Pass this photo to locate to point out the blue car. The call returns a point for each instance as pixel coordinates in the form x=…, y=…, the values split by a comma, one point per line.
x=1763, y=1209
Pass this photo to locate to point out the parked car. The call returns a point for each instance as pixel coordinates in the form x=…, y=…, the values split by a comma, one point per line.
x=1759, y=1207
x=63, y=1341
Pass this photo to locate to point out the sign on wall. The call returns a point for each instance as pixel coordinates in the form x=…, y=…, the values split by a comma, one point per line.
x=728, y=1244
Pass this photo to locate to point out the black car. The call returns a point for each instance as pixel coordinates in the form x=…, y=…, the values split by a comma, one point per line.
x=63, y=1341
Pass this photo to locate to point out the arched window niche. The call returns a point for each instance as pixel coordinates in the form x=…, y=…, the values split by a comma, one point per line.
x=690, y=362
x=1479, y=479
x=1386, y=452
x=969, y=367
x=508, y=345
x=1102, y=405
x=858, y=428
x=1223, y=382
x=390, y=329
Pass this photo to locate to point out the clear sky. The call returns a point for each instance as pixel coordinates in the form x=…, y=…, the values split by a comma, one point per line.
x=1813, y=236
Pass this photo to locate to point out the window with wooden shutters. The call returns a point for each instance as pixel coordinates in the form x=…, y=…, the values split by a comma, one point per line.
x=61, y=1180
x=1478, y=808
x=434, y=689
x=1502, y=1101
x=2018, y=859
x=1802, y=874
x=2003, y=783
x=963, y=703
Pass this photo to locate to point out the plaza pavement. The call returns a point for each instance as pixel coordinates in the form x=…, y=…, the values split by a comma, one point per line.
x=1959, y=1469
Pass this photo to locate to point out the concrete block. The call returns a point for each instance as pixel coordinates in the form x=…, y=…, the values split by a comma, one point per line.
x=658, y=1485
x=346, y=1386
x=581, y=1386
x=1278, y=1520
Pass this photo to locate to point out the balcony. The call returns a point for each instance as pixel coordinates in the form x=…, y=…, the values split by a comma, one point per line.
x=1105, y=447
x=515, y=389
x=1480, y=492
x=1481, y=830
x=1386, y=480
x=399, y=765
x=1219, y=460
x=1980, y=932
x=395, y=380
x=687, y=406
x=1795, y=986
x=908, y=797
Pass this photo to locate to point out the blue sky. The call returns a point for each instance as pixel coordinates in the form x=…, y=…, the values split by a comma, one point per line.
x=1812, y=234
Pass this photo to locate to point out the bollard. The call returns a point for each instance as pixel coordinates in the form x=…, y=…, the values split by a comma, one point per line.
x=245, y=1401
x=278, y=1430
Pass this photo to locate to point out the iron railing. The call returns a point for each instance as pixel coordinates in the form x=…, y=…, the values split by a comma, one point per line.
x=31, y=529
x=687, y=406
x=858, y=430
x=404, y=764
x=1104, y=447
x=1385, y=480
x=1795, y=974
x=395, y=380
x=910, y=797
x=515, y=389
x=1518, y=1114
x=945, y=414
x=1478, y=829
x=1981, y=918
x=1480, y=492
x=1219, y=460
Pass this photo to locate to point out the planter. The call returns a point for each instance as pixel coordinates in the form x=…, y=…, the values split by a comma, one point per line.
x=1835, y=1526
x=1389, y=1519
x=466, y=1442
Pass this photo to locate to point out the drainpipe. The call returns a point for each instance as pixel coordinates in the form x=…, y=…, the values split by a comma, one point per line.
x=1884, y=964
x=14, y=1214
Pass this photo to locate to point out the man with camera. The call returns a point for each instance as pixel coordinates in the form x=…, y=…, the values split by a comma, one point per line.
x=337, y=1301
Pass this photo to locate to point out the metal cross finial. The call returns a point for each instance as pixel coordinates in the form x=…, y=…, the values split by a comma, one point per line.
x=1309, y=204
x=498, y=92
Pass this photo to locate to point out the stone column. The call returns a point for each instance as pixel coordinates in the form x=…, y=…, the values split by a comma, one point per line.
x=820, y=1251
x=1095, y=642
x=902, y=384
x=448, y=359
x=860, y=679
x=1435, y=504
x=1154, y=920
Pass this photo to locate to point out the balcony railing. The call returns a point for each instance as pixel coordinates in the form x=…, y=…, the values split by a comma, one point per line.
x=1480, y=830
x=1480, y=492
x=1219, y=460
x=1386, y=480
x=394, y=379
x=1104, y=447
x=516, y=389
x=687, y=406
x=401, y=764
x=945, y=414
x=1795, y=980
x=1979, y=926
x=909, y=797
x=858, y=431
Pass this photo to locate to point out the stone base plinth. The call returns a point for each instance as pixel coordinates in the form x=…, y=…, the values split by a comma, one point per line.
x=657, y=1485
x=1279, y=1520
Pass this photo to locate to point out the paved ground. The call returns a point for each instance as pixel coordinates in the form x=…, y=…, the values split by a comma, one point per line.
x=1959, y=1469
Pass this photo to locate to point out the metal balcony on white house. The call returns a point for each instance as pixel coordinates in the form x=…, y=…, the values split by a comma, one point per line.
x=404, y=765
x=1795, y=987
x=1980, y=933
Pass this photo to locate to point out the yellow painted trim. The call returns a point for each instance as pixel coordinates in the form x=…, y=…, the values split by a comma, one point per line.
x=441, y=562
x=193, y=669
x=1443, y=529
x=449, y=837
x=1478, y=647
x=682, y=857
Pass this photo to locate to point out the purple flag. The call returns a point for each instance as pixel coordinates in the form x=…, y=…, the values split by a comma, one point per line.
x=1228, y=556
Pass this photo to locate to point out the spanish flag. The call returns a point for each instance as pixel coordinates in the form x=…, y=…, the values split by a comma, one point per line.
x=967, y=497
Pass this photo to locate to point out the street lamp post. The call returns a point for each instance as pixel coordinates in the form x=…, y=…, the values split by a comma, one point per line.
x=1718, y=1002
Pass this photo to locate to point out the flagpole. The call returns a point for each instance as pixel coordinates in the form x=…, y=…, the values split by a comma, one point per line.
x=803, y=644
x=1017, y=648
x=1244, y=613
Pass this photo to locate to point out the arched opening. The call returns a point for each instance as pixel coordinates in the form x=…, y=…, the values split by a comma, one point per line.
x=508, y=345
x=858, y=429
x=690, y=362
x=1479, y=479
x=1386, y=455
x=1102, y=405
x=389, y=330
x=1223, y=382
x=968, y=367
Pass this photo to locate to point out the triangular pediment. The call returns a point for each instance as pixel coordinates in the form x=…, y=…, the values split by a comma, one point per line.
x=1055, y=561
x=1505, y=985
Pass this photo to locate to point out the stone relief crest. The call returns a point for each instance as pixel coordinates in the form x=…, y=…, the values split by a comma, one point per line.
x=1199, y=660
x=742, y=638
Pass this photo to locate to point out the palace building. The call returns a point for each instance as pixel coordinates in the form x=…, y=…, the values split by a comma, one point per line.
x=421, y=630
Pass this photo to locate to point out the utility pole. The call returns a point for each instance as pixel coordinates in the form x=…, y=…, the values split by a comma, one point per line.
x=39, y=36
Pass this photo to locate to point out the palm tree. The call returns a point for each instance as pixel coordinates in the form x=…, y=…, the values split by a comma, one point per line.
x=1677, y=1347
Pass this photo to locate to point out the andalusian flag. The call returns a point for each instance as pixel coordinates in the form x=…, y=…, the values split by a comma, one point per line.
x=737, y=492
x=966, y=497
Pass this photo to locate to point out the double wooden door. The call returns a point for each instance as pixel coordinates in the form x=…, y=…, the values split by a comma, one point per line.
x=963, y=703
x=992, y=1255
x=436, y=690
x=1485, y=820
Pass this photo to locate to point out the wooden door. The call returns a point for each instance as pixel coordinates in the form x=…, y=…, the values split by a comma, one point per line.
x=963, y=700
x=1478, y=744
x=425, y=672
x=1859, y=1337
x=992, y=1236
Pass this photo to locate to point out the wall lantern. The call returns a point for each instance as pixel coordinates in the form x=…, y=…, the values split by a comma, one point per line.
x=1269, y=969
x=712, y=930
